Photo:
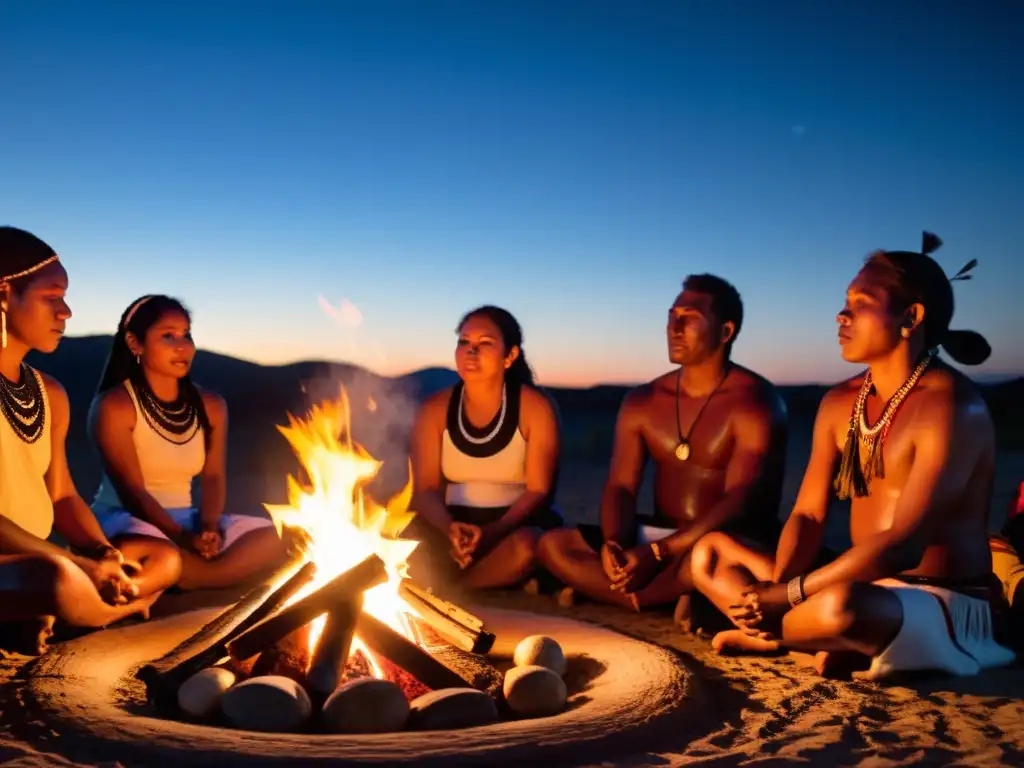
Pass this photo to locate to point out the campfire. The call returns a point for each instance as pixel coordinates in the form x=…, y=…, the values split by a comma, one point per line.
x=343, y=640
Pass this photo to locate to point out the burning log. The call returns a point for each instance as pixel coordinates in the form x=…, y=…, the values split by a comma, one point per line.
x=331, y=657
x=384, y=641
x=459, y=627
x=288, y=657
x=343, y=588
x=207, y=646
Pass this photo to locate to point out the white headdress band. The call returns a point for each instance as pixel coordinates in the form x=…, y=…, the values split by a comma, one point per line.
x=134, y=309
x=30, y=270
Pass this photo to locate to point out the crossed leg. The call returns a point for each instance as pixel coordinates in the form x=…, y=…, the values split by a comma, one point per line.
x=36, y=589
x=844, y=624
x=160, y=561
x=510, y=561
x=254, y=553
x=567, y=555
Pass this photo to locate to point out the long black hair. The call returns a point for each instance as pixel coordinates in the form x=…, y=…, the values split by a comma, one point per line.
x=512, y=336
x=141, y=315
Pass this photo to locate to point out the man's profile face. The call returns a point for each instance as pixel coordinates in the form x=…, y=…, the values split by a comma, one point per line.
x=37, y=314
x=693, y=331
x=868, y=329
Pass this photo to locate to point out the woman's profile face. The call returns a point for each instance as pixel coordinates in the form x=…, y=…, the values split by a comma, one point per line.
x=480, y=353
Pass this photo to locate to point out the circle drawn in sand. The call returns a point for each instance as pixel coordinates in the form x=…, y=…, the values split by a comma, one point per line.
x=622, y=693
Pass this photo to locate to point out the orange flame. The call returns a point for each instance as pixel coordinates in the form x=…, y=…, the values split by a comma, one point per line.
x=343, y=524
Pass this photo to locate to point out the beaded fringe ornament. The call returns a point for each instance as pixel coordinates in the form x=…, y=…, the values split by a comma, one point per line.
x=854, y=477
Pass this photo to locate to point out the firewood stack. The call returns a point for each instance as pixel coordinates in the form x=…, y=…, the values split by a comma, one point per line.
x=252, y=666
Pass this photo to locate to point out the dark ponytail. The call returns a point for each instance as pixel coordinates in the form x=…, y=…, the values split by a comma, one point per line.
x=122, y=365
x=512, y=336
x=911, y=278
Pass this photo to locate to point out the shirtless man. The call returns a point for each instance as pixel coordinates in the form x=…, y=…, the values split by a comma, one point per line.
x=717, y=434
x=913, y=591
x=39, y=581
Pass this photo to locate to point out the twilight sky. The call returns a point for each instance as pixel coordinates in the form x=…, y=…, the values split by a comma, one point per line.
x=341, y=180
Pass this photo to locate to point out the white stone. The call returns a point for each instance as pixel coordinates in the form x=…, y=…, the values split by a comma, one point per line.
x=534, y=691
x=366, y=705
x=541, y=651
x=267, y=703
x=199, y=696
x=452, y=708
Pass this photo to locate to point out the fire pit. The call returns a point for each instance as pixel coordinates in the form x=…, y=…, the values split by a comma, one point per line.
x=289, y=676
x=624, y=695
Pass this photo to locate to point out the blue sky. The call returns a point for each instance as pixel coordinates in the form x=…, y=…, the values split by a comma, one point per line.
x=572, y=161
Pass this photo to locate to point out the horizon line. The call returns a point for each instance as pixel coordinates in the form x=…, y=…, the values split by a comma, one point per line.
x=990, y=378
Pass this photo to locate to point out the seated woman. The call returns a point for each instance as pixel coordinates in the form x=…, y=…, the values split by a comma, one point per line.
x=484, y=459
x=93, y=583
x=156, y=431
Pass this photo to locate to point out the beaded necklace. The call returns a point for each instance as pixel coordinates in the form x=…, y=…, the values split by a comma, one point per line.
x=22, y=405
x=853, y=478
x=176, y=422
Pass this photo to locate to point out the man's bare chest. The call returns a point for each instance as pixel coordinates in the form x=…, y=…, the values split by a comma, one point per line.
x=703, y=426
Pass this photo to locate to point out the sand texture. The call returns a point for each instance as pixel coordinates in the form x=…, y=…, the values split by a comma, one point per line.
x=80, y=700
x=726, y=711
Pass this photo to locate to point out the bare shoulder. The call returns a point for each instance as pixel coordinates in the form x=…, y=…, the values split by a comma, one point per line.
x=836, y=406
x=536, y=404
x=434, y=410
x=216, y=406
x=639, y=398
x=841, y=396
x=55, y=391
x=753, y=395
x=115, y=403
x=945, y=391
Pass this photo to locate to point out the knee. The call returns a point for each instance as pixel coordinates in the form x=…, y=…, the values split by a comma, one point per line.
x=525, y=543
x=838, y=607
x=51, y=578
x=162, y=566
x=705, y=555
x=65, y=588
x=549, y=547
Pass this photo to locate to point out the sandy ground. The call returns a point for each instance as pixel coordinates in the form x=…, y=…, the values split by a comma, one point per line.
x=745, y=712
x=748, y=711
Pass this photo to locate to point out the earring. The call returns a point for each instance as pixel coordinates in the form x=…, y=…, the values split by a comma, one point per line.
x=3, y=329
x=138, y=359
x=905, y=333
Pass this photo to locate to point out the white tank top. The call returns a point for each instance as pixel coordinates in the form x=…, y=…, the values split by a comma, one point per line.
x=167, y=468
x=483, y=467
x=24, y=499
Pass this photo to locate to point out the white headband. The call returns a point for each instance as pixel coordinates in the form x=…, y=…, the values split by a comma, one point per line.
x=134, y=309
x=29, y=271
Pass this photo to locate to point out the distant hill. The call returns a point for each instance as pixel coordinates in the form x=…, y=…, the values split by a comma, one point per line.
x=259, y=397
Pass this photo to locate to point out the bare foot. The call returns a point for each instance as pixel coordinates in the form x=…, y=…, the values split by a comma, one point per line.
x=683, y=615
x=738, y=641
x=138, y=606
x=29, y=636
x=45, y=633
x=565, y=597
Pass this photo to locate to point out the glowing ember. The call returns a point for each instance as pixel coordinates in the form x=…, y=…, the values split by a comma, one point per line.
x=343, y=525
